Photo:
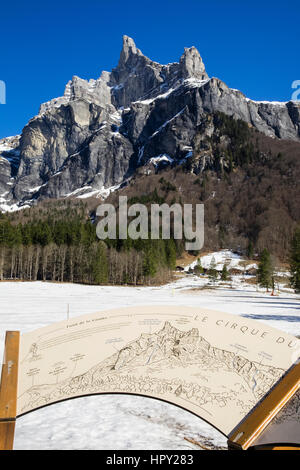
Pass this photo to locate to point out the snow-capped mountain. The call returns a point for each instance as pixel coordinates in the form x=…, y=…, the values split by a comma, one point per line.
x=141, y=113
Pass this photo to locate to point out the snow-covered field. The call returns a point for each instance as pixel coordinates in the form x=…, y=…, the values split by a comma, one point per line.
x=127, y=422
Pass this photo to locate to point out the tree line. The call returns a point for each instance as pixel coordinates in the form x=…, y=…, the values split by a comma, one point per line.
x=63, y=247
x=68, y=250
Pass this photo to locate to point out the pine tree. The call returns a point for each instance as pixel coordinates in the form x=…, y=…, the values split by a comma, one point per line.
x=224, y=273
x=198, y=268
x=149, y=265
x=250, y=250
x=265, y=270
x=99, y=264
x=295, y=261
x=170, y=249
x=212, y=272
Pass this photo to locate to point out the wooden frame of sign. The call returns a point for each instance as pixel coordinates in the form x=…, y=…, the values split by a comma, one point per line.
x=245, y=435
x=8, y=390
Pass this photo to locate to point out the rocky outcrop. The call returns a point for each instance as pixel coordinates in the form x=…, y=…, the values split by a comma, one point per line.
x=101, y=131
x=51, y=139
x=139, y=78
x=9, y=162
x=92, y=91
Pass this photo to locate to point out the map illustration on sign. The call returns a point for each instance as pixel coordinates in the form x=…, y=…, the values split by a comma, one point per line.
x=216, y=365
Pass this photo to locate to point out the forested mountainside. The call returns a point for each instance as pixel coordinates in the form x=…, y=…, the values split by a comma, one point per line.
x=248, y=183
x=249, y=190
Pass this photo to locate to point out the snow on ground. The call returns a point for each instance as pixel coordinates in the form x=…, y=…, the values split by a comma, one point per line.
x=11, y=208
x=222, y=257
x=126, y=422
x=237, y=281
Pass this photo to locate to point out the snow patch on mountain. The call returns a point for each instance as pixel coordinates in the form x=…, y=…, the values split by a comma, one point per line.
x=163, y=158
x=231, y=259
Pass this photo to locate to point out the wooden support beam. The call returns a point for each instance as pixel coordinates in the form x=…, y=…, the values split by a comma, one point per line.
x=8, y=390
x=254, y=424
x=7, y=433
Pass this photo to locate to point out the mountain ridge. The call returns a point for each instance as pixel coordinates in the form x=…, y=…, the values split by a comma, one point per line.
x=100, y=132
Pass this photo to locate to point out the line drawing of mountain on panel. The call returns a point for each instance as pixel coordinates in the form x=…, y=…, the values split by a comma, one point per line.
x=156, y=365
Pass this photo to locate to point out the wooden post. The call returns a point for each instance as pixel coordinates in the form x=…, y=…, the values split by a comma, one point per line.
x=245, y=435
x=8, y=390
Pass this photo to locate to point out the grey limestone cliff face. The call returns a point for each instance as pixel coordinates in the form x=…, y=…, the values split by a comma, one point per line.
x=9, y=162
x=101, y=131
x=51, y=139
x=5, y=176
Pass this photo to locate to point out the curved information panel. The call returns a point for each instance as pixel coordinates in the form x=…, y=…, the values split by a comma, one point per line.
x=216, y=365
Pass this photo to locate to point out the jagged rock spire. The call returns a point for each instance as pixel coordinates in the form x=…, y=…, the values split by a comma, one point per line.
x=149, y=77
x=192, y=64
x=129, y=49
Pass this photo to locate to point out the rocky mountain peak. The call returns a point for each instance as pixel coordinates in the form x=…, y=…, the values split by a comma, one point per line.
x=168, y=329
x=192, y=64
x=171, y=333
x=137, y=77
x=129, y=49
x=101, y=131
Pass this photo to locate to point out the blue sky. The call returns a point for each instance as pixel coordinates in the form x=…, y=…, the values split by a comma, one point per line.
x=251, y=45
